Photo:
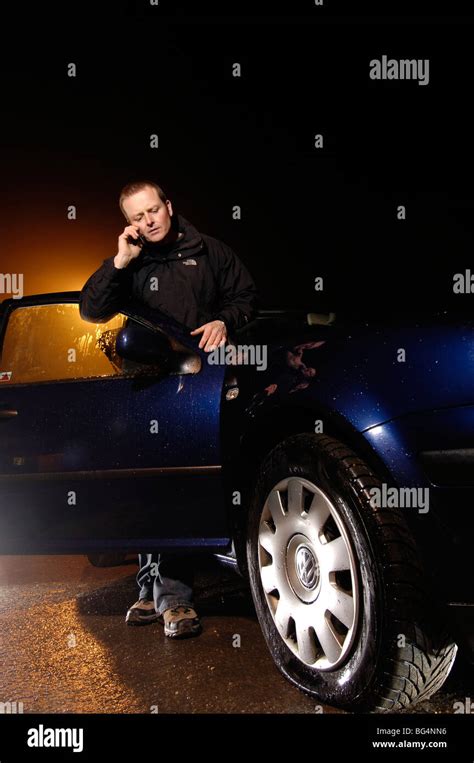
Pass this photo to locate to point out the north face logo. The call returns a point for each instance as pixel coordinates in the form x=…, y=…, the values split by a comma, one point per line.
x=189, y=261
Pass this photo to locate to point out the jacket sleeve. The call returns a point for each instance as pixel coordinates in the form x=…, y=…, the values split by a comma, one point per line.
x=105, y=292
x=237, y=296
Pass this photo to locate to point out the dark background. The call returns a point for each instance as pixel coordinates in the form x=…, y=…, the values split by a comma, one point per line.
x=225, y=141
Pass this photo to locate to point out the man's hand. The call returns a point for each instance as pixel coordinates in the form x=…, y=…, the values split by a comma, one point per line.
x=214, y=334
x=126, y=251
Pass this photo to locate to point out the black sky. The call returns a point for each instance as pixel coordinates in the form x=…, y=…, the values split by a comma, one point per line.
x=248, y=141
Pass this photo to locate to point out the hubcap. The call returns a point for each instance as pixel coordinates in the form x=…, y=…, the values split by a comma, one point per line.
x=309, y=573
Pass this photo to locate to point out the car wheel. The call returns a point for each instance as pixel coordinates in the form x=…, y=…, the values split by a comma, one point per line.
x=338, y=585
x=106, y=560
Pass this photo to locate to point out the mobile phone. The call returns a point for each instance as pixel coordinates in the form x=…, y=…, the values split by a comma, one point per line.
x=136, y=241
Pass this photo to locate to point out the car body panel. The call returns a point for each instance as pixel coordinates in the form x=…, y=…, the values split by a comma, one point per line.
x=359, y=374
x=81, y=469
x=443, y=528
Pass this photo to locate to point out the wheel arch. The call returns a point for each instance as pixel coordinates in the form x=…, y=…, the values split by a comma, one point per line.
x=275, y=425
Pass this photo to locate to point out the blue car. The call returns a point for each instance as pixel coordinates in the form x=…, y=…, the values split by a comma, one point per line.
x=330, y=463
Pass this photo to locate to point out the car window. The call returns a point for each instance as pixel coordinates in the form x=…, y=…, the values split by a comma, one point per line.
x=53, y=342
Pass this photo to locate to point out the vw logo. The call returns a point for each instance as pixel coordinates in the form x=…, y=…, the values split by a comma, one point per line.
x=307, y=567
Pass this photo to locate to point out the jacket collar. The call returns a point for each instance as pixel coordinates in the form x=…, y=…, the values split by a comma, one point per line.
x=189, y=244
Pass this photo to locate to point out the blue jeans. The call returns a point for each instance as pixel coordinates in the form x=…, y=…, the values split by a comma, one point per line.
x=166, y=580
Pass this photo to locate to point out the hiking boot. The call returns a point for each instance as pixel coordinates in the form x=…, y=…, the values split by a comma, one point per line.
x=142, y=613
x=181, y=622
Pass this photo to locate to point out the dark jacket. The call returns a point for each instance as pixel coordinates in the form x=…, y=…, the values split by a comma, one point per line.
x=195, y=279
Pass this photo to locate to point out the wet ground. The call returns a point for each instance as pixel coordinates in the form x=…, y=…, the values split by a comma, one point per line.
x=64, y=647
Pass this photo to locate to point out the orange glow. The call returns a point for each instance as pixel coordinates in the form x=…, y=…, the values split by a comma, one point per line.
x=57, y=260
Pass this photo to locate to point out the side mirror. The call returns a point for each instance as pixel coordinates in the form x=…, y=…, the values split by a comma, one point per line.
x=141, y=345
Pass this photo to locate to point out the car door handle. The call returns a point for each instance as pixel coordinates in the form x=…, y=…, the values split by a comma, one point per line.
x=7, y=413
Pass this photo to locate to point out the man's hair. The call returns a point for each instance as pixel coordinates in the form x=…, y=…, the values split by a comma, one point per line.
x=136, y=186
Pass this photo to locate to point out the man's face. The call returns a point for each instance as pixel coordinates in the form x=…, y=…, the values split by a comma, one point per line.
x=152, y=215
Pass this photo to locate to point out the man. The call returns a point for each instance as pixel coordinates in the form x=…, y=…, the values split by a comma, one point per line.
x=165, y=262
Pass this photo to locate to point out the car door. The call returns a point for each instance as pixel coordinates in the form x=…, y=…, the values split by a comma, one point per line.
x=97, y=453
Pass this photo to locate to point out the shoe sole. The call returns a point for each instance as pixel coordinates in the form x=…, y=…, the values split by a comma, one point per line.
x=185, y=631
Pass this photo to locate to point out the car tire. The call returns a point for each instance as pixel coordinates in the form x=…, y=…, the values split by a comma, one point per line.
x=338, y=585
x=106, y=560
